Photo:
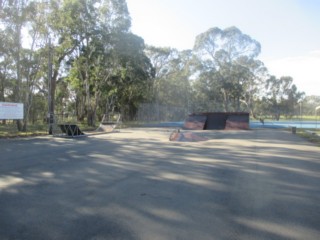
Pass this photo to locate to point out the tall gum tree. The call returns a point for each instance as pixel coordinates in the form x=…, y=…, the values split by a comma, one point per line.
x=219, y=50
x=16, y=17
x=282, y=96
x=109, y=66
x=171, y=85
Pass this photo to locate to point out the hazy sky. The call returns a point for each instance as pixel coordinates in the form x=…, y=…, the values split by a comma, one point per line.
x=288, y=30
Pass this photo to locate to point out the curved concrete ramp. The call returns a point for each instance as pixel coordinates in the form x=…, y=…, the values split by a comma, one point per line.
x=105, y=128
x=186, y=137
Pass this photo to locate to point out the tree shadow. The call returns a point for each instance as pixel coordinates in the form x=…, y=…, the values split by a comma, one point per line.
x=121, y=188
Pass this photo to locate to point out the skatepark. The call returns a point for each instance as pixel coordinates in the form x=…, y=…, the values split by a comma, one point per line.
x=136, y=184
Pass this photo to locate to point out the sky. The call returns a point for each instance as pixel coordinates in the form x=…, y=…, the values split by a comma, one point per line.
x=288, y=30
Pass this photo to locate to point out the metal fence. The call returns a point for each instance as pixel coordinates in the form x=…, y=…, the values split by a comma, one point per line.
x=149, y=112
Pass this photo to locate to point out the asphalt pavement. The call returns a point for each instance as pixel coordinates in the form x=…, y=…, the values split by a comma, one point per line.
x=136, y=184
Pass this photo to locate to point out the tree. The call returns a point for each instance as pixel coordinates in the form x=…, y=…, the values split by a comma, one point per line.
x=135, y=73
x=160, y=59
x=252, y=79
x=310, y=103
x=80, y=56
x=282, y=96
x=20, y=63
x=171, y=86
x=219, y=53
x=109, y=69
x=6, y=68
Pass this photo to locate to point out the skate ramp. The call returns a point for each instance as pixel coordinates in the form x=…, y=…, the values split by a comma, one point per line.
x=71, y=130
x=195, y=122
x=105, y=128
x=237, y=122
x=109, y=122
x=178, y=136
x=217, y=121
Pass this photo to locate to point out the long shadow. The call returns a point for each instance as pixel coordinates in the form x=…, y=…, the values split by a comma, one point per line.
x=100, y=188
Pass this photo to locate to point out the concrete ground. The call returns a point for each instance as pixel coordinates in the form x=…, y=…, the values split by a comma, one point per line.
x=135, y=184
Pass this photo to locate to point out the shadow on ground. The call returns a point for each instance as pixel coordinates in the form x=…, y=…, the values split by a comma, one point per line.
x=238, y=185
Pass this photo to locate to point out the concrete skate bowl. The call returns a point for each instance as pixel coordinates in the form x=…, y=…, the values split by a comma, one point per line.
x=217, y=121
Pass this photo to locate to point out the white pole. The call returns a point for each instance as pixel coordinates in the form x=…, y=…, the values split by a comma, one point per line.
x=300, y=114
x=316, y=109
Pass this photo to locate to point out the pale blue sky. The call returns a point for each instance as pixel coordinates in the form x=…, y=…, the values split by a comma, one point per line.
x=288, y=30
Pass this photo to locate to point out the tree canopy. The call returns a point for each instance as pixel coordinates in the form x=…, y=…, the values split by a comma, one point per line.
x=83, y=57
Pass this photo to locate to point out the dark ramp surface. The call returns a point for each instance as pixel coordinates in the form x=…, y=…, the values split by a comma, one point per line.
x=217, y=121
x=71, y=130
x=135, y=184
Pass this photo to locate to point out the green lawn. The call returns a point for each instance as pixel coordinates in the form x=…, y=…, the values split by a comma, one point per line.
x=311, y=135
x=10, y=130
x=294, y=118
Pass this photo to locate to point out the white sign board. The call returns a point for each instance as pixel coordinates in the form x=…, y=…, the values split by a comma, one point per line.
x=11, y=111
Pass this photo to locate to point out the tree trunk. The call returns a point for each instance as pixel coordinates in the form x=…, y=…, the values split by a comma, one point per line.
x=18, y=71
x=225, y=100
x=2, y=98
x=91, y=118
x=238, y=104
x=52, y=79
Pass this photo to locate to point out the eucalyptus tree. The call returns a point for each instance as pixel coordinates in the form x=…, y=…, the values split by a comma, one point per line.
x=13, y=17
x=252, y=77
x=219, y=53
x=65, y=24
x=118, y=77
x=134, y=73
x=310, y=104
x=171, y=86
x=160, y=58
x=19, y=61
x=109, y=69
x=6, y=69
x=180, y=79
x=282, y=96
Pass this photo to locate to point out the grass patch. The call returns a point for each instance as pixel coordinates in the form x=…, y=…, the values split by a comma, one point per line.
x=10, y=130
x=310, y=135
x=293, y=118
x=86, y=128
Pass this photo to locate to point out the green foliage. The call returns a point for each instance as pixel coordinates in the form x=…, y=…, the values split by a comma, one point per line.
x=171, y=85
x=99, y=66
x=9, y=130
x=309, y=105
x=226, y=60
x=310, y=136
x=282, y=97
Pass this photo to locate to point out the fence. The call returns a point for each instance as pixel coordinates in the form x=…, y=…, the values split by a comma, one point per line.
x=149, y=112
